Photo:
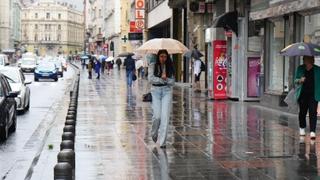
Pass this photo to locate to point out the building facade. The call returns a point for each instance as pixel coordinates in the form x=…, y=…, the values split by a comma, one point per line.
x=49, y=28
x=282, y=23
x=6, y=24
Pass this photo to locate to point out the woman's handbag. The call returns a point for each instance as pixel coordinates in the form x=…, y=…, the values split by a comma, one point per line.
x=134, y=77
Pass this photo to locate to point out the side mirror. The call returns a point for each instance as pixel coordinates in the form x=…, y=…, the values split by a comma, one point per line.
x=27, y=82
x=13, y=94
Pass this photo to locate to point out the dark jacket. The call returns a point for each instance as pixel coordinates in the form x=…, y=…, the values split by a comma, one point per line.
x=300, y=73
x=130, y=64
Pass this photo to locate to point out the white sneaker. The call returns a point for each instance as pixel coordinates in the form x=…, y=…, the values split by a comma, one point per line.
x=302, y=132
x=312, y=135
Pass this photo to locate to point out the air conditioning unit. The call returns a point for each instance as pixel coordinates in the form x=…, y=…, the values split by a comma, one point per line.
x=198, y=7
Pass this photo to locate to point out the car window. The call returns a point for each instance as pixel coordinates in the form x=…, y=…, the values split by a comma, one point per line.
x=1, y=90
x=13, y=76
x=2, y=62
x=6, y=84
x=22, y=76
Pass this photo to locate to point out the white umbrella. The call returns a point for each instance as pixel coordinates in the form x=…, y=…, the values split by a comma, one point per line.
x=139, y=63
x=109, y=59
x=154, y=45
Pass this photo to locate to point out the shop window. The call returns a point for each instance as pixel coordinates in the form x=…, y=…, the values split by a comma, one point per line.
x=276, y=62
x=312, y=31
x=255, y=36
x=59, y=16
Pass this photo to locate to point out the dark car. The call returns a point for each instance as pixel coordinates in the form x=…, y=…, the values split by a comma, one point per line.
x=46, y=70
x=8, y=112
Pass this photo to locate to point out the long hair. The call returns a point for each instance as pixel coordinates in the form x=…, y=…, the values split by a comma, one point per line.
x=169, y=65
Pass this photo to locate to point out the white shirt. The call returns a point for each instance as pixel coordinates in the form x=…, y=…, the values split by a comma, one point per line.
x=197, y=67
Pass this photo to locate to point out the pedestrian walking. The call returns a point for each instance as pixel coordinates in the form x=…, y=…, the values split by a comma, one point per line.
x=139, y=66
x=130, y=69
x=308, y=94
x=90, y=67
x=118, y=62
x=197, y=74
x=97, y=67
x=103, y=64
x=161, y=77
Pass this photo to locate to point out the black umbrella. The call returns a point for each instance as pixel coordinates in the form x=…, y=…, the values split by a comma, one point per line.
x=301, y=49
x=196, y=54
x=228, y=21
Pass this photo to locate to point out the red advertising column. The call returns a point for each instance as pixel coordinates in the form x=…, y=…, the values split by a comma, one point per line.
x=220, y=63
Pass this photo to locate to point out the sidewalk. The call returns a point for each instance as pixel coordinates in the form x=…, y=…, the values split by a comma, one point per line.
x=207, y=139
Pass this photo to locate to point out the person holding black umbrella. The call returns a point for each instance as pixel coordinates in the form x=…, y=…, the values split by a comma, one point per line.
x=308, y=94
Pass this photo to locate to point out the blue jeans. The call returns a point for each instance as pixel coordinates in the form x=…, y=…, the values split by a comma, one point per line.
x=161, y=106
x=129, y=78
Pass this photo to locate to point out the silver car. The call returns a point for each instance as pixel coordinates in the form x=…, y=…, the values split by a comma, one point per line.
x=18, y=84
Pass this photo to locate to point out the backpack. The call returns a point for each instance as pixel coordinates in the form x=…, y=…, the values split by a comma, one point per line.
x=203, y=66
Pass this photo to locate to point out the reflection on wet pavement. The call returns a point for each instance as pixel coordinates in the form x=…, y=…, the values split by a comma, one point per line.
x=206, y=140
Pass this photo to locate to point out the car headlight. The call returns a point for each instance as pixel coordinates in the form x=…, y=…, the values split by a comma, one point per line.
x=36, y=70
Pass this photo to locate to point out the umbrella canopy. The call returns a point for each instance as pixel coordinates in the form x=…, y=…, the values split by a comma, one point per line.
x=139, y=63
x=196, y=54
x=84, y=57
x=102, y=57
x=154, y=45
x=125, y=54
x=301, y=49
x=110, y=58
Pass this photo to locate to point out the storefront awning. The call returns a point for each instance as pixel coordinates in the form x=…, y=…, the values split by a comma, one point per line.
x=228, y=21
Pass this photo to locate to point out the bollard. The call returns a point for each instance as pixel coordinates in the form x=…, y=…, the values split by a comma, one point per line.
x=69, y=128
x=71, y=112
x=63, y=171
x=72, y=108
x=68, y=136
x=67, y=144
x=72, y=117
x=68, y=156
x=70, y=122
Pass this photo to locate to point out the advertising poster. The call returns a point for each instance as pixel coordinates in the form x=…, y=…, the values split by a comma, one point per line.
x=253, y=76
x=220, y=69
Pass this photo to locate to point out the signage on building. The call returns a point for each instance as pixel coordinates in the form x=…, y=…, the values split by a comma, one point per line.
x=220, y=63
x=140, y=14
x=135, y=36
x=253, y=77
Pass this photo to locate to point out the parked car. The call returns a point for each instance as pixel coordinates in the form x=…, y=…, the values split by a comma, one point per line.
x=8, y=111
x=28, y=64
x=4, y=60
x=18, y=83
x=46, y=70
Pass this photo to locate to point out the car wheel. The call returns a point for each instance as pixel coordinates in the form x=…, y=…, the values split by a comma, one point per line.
x=28, y=105
x=3, y=133
x=36, y=79
x=61, y=74
x=13, y=126
x=55, y=79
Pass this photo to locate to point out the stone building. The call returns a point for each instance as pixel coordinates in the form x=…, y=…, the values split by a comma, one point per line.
x=49, y=28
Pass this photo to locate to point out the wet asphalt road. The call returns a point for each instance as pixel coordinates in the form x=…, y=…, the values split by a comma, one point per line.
x=18, y=154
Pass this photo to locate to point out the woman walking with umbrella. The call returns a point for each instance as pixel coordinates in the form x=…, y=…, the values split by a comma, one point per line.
x=308, y=90
x=161, y=76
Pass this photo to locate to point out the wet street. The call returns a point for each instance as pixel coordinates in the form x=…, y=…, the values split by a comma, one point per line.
x=20, y=152
x=207, y=139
